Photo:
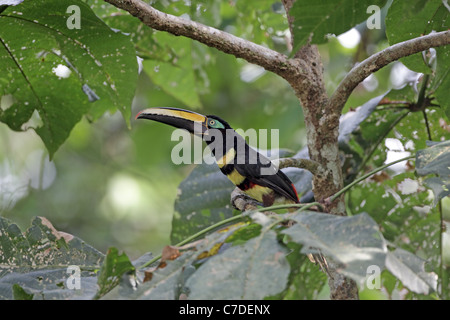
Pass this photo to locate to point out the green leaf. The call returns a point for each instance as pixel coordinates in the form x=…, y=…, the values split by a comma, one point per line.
x=410, y=270
x=355, y=241
x=164, y=285
x=100, y=68
x=141, y=36
x=306, y=280
x=375, y=129
x=410, y=19
x=113, y=268
x=20, y=294
x=441, y=81
x=435, y=160
x=206, y=12
x=244, y=234
x=203, y=199
x=442, y=94
x=224, y=238
x=254, y=270
x=261, y=21
x=167, y=282
x=318, y=19
x=403, y=214
x=38, y=260
x=175, y=74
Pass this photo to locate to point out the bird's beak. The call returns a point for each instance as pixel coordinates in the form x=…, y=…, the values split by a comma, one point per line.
x=191, y=121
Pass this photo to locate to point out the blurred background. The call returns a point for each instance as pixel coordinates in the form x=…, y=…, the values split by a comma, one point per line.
x=115, y=186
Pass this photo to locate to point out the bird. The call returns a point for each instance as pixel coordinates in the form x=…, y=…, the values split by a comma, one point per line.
x=246, y=168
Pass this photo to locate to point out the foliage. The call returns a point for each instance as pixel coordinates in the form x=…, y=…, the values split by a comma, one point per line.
x=435, y=160
x=394, y=223
x=318, y=21
x=35, y=44
x=37, y=262
x=412, y=19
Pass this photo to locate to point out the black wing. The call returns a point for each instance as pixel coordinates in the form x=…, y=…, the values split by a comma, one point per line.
x=261, y=171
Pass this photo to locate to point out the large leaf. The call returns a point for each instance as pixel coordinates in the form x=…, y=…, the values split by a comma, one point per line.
x=38, y=261
x=168, y=278
x=357, y=244
x=319, y=19
x=203, y=199
x=405, y=219
x=353, y=241
x=261, y=21
x=254, y=270
x=99, y=67
x=410, y=270
x=435, y=160
x=141, y=35
x=403, y=212
x=410, y=19
x=164, y=285
x=175, y=75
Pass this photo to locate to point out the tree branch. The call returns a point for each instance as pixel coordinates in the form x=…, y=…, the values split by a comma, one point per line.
x=269, y=59
x=272, y=60
x=242, y=202
x=381, y=59
x=307, y=164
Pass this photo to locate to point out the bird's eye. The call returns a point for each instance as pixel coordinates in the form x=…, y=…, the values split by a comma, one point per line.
x=212, y=122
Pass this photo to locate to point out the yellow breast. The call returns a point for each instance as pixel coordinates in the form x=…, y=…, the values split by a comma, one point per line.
x=236, y=177
x=257, y=192
x=227, y=158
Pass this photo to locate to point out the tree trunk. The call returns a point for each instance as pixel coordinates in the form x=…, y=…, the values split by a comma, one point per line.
x=322, y=128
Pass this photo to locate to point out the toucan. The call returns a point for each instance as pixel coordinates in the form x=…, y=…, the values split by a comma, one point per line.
x=248, y=169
